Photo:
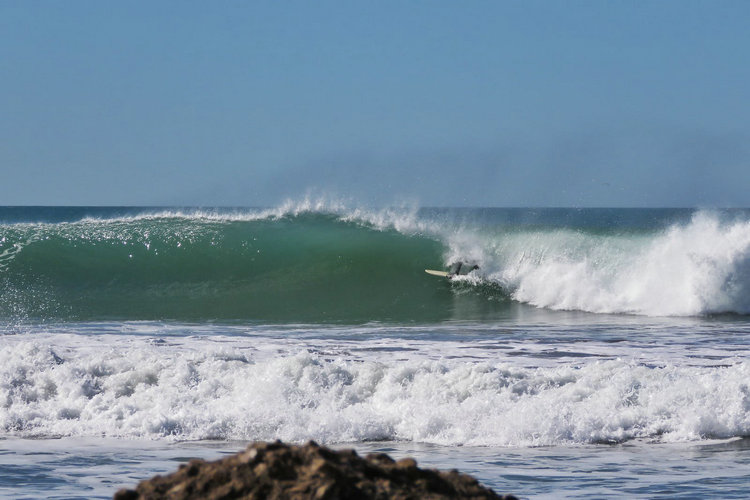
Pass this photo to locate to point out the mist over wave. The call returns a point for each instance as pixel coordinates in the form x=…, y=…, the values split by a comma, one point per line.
x=326, y=261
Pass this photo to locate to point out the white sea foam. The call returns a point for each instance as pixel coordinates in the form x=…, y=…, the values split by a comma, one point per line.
x=702, y=267
x=193, y=388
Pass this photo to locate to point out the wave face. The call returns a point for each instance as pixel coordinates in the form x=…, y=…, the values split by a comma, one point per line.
x=324, y=262
x=260, y=266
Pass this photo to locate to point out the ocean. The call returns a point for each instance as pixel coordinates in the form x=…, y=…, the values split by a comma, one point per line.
x=593, y=353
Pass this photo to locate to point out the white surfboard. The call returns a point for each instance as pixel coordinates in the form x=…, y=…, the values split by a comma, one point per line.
x=437, y=273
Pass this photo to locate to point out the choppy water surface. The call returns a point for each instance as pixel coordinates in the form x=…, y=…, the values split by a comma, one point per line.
x=96, y=467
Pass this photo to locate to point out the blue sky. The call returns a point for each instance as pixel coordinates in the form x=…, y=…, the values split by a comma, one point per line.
x=555, y=103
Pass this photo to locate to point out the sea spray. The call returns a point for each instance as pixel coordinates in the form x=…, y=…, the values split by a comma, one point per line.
x=701, y=267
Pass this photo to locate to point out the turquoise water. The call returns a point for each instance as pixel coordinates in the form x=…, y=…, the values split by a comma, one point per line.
x=594, y=352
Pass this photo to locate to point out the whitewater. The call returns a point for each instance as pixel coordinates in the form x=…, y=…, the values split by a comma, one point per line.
x=594, y=352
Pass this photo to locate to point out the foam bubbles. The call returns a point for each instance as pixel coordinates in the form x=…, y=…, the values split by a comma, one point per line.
x=701, y=267
x=200, y=389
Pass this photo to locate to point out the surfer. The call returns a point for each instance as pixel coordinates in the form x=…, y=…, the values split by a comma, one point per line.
x=451, y=274
x=457, y=271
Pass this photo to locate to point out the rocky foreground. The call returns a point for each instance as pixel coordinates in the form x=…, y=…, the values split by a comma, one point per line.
x=280, y=471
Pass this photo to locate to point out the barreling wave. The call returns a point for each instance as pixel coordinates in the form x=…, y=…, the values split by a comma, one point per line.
x=289, y=266
x=325, y=262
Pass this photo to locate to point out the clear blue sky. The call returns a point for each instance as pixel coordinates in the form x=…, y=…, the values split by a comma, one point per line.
x=497, y=103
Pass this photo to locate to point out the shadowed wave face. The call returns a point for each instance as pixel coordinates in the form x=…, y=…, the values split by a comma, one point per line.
x=323, y=263
x=308, y=267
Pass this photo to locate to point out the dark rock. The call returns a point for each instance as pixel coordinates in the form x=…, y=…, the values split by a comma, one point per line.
x=279, y=471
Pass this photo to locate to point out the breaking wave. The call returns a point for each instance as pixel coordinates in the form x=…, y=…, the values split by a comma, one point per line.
x=321, y=261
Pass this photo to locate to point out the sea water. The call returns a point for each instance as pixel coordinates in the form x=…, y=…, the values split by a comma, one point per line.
x=594, y=352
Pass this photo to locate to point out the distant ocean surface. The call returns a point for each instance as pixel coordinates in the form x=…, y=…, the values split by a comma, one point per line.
x=594, y=352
